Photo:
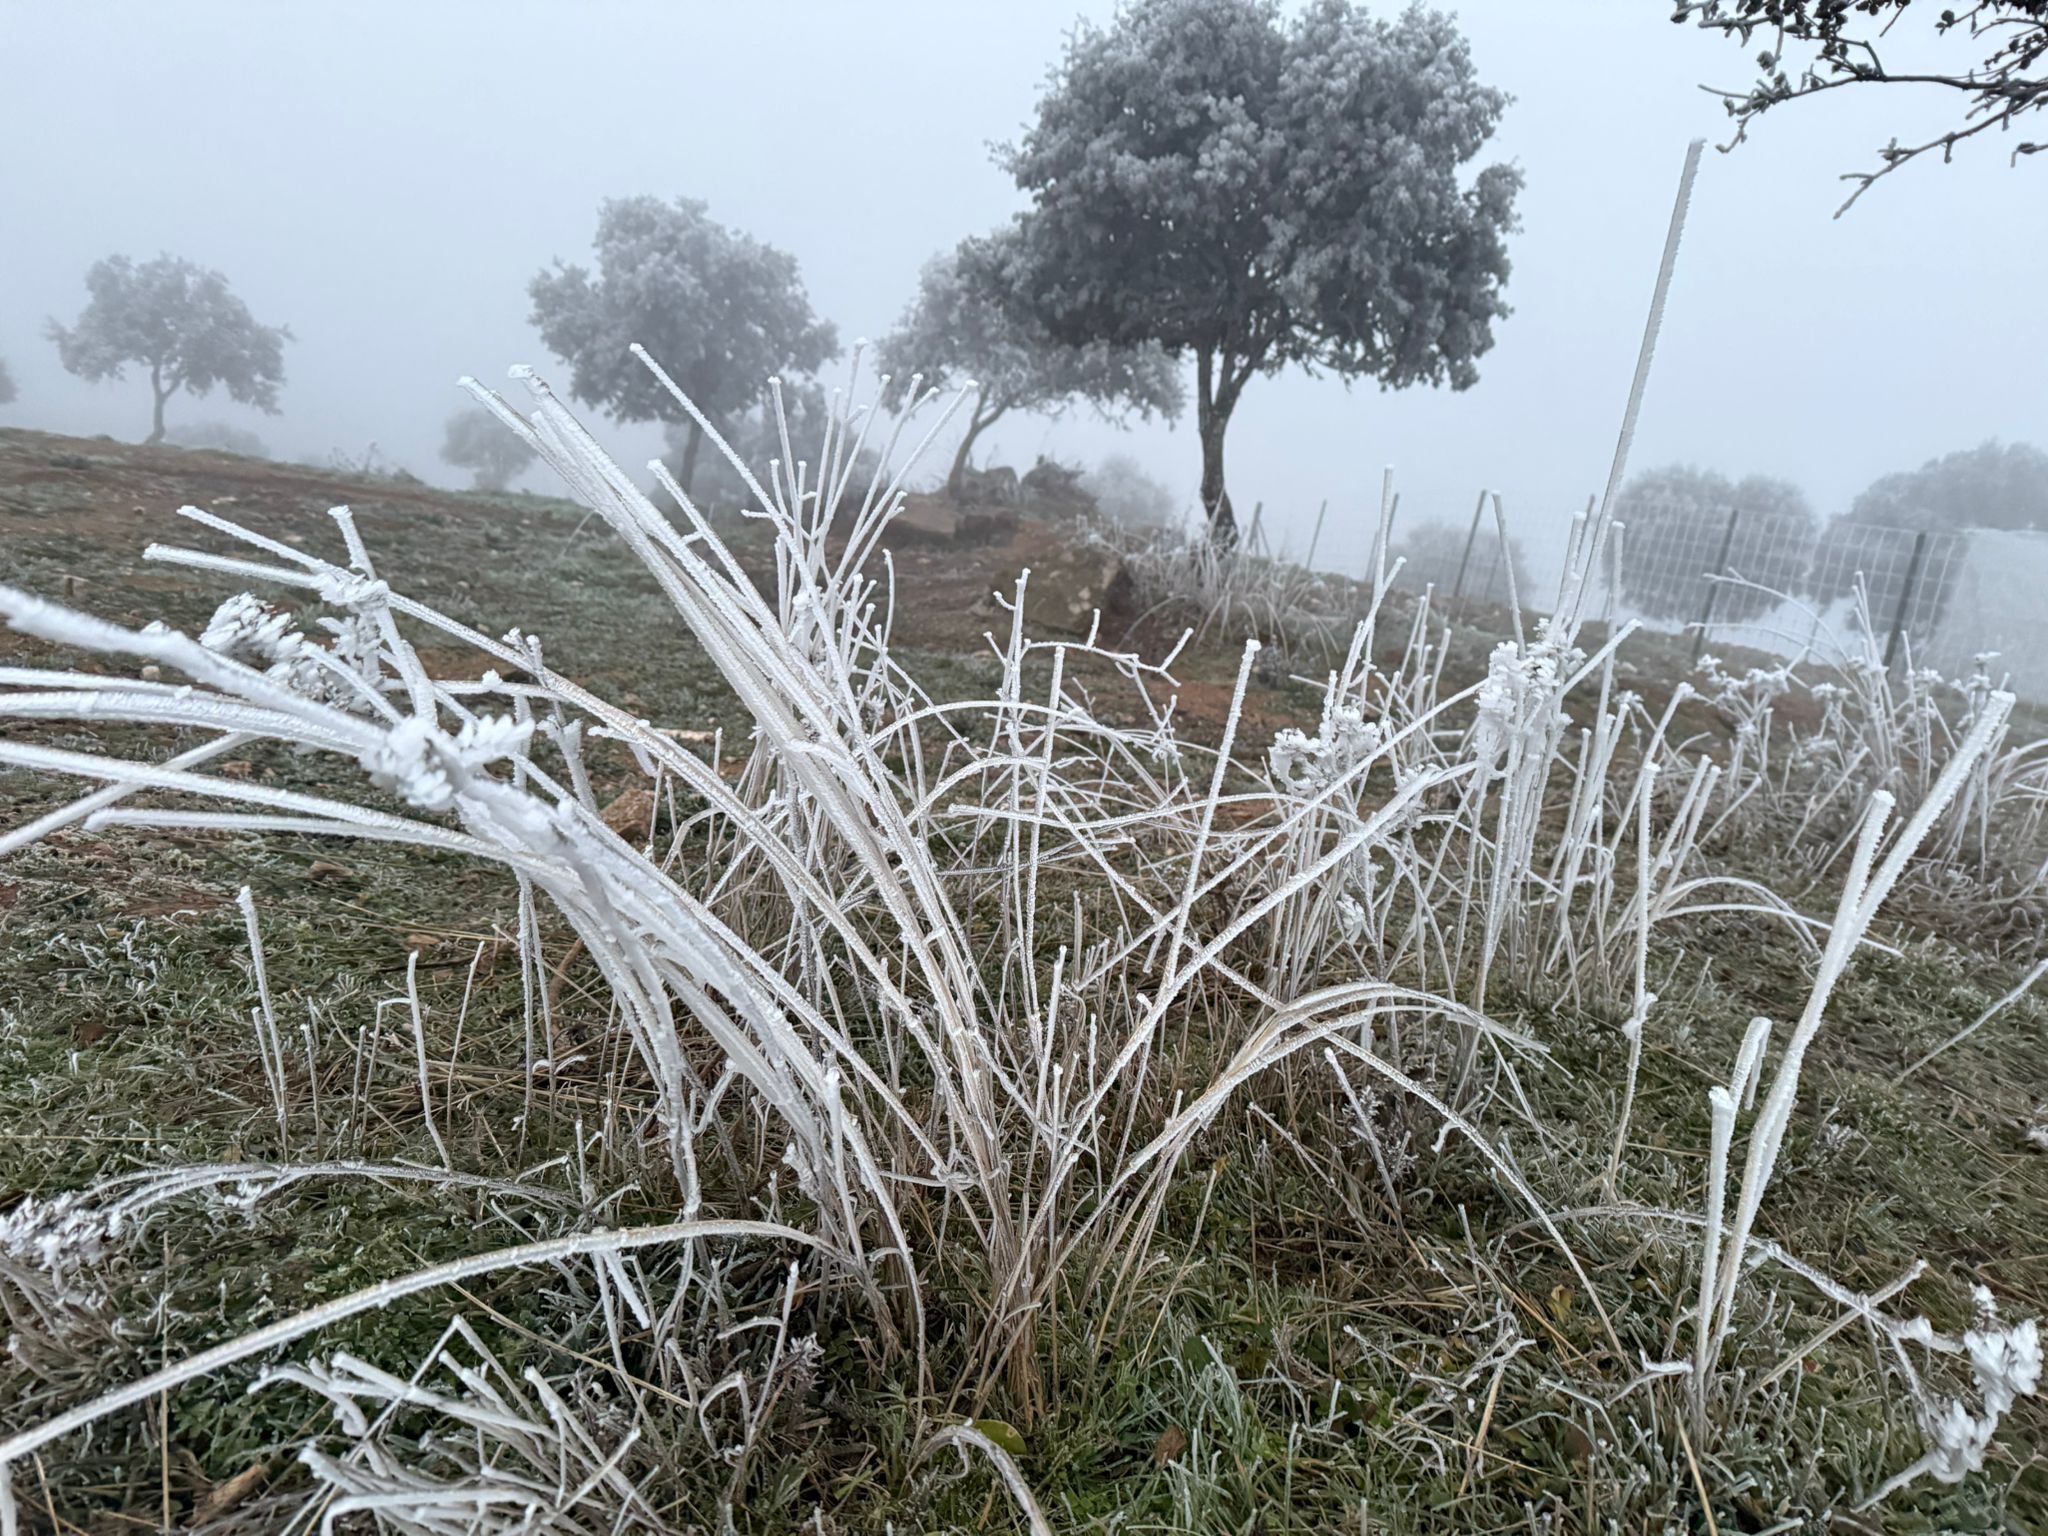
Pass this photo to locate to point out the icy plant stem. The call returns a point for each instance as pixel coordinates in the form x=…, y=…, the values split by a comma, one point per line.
x=1634, y=1028
x=2005, y=1002
x=1861, y=896
x=369, y=1299
x=268, y=1045
x=419, y=1047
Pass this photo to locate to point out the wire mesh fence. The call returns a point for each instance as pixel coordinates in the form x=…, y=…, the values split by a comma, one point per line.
x=1785, y=584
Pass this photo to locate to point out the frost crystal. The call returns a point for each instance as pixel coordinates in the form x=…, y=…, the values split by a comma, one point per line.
x=428, y=768
x=1956, y=1442
x=1305, y=763
x=1519, y=701
x=251, y=631
x=2007, y=1361
x=1350, y=918
x=247, y=629
x=58, y=1236
x=2007, y=1365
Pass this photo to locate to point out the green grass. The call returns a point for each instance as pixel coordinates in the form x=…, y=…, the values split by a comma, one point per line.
x=1279, y=1364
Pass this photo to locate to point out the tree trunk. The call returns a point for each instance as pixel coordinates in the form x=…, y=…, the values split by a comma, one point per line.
x=1212, y=417
x=158, y=395
x=976, y=425
x=692, y=441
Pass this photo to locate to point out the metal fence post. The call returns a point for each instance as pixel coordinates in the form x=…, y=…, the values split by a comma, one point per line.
x=1458, y=586
x=1906, y=591
x=1315, y=538
x=1699, y=638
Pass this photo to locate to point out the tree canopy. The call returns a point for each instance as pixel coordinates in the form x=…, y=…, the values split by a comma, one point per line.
x=720, y=311
x=480, y=443
x=1124, y=491
x=962, y=327
x=183, y=323
x=1846, y=43
x=1211, y=177
x=6, y=384
x=1994, y=485
x=1676, y=526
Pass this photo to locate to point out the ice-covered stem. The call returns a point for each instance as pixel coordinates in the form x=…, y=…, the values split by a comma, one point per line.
x=1721, y=1110
x=965, y=1437
x=371, y=1298
x=1633, y=1029
x=269, y=1049
x=419, y=1046
x=1862, y=894
x=2025, y=986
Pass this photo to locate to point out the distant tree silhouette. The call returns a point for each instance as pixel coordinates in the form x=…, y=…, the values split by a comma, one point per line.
x=480, y=443
x=219, y=437
x=1994, y=485
x=6, y=384
x=960, y=327
x=720, y=311
x=1123, y=490
x=1675, y=520
x=181, y=322
x=1432, y=552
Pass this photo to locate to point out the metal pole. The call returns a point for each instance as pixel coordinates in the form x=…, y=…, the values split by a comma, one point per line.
x=1699, y=638
x=1317, y=537
x=1458, y=586
x=1891, y=646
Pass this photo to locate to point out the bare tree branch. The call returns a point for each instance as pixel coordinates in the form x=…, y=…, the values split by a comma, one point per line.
x=2009, y=81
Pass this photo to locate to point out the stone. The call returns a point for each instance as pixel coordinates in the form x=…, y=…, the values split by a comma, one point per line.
x=1068, y=587
x=923, y=520
x=631, y=815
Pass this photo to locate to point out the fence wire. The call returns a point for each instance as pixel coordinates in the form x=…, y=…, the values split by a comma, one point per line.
x=1938, y=597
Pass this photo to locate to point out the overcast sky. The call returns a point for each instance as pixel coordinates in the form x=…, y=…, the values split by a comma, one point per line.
x=386, y=178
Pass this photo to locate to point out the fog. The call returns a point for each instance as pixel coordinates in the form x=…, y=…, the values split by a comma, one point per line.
x=386, y=178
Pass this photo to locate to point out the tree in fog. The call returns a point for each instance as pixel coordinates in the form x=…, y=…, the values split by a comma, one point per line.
x=480, y=443
x=6, y=384
x=1675, y=522
x=219, y=437
x=1122, y=490
x=720, y=311
x=1263, y=191
x=1994, y=485
x=1843, y=45
x=1431, y=554
x=181, y=322
x=960, y=328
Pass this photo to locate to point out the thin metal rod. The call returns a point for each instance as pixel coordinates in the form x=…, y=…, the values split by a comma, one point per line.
x=1471, y=536
x=1317, y=537
x=1653, y=325
x=1699, y=634
x=1906, y=594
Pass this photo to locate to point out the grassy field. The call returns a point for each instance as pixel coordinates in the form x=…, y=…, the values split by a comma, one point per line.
x=1296, y=1352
